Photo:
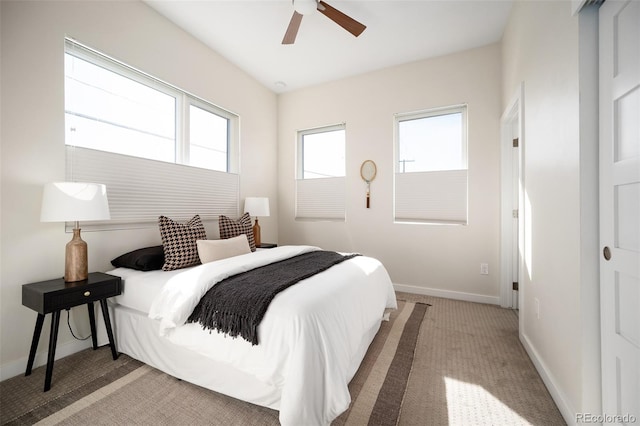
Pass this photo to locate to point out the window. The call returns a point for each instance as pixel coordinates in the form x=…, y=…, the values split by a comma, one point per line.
x=107, y=111
x=152, y=144
x=431, y=166
x=320, y=187
x=209, y=139
x=322, y=152
x=115, y=108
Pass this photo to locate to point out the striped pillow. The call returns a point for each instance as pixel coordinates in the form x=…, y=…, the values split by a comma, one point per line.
x=230, y=228
x=179, y=242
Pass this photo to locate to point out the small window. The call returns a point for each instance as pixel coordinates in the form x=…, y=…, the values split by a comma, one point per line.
x=432, y=141
x=322, y=152
x=320, y=187
x=208, y=139
x=431, y=166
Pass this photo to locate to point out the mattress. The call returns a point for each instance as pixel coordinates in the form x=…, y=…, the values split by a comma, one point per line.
x=141, y=288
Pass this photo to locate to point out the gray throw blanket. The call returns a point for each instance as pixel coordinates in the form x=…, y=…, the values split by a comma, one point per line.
x=236, y=305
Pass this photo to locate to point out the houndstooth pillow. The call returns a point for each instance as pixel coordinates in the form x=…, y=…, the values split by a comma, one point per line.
x=230, y=228
x=179, y=242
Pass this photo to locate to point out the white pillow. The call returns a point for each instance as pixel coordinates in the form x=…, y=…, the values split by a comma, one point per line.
x=212, y=250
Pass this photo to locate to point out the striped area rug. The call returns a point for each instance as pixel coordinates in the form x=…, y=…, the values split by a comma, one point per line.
x=378, y=388
x=90, y=388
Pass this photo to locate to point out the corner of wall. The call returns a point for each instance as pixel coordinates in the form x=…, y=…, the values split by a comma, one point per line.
x=559, y=397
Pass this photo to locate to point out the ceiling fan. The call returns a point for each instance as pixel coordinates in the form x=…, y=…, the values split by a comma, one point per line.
x=305, y=7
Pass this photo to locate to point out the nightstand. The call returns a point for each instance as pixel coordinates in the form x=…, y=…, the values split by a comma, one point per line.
x=266, y=245
x=55, y=295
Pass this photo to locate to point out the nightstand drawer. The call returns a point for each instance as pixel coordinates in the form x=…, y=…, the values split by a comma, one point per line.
x=55, y=295
x=80, y=296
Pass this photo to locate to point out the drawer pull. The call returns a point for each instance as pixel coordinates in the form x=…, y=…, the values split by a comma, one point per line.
x=87, y=293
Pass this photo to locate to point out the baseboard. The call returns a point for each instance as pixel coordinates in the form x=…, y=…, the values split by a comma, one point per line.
x=18, y=367
x=448, y=294
x=568, y=413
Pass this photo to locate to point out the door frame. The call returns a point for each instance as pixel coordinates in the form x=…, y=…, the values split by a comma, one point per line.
x=513, y=113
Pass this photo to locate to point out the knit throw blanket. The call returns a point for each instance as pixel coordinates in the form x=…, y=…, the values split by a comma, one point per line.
x=236, y=305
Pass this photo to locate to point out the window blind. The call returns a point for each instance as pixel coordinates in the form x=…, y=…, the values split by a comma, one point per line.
x=321, y=199
x=431, y=196
x=140, y=190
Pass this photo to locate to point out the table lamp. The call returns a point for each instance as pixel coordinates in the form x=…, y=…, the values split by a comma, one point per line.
x=256, y=206
x=73, y=202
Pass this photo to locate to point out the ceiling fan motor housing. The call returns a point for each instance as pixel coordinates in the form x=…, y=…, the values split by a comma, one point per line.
x=305, y=7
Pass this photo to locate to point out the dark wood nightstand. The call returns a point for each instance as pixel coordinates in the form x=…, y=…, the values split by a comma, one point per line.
x=266, y=245
x=55, y=295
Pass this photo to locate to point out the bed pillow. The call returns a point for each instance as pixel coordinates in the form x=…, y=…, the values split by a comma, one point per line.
x=179, y=242
x=144, y=259
x=211, y=250
x=230, y=228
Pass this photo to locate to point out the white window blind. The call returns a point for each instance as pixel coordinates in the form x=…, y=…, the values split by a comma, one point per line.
x=431, y=166
x=320, y=199
x=431, y=196
x=140, y=190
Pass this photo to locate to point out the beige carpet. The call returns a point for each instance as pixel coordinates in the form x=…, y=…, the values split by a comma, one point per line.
x=471, y=369
x=454, y=362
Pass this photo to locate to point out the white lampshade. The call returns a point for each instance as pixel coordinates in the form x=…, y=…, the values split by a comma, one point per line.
x=305, y=7
x=74, y=201
x=256, y=206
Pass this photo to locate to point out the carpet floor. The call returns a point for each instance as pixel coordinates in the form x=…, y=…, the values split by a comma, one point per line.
x=436, y=362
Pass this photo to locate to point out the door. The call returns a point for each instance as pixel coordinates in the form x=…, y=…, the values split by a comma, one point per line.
x=619, y=56
x=515, y=201
x=511, y=184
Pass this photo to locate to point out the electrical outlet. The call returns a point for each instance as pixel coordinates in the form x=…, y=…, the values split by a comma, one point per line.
x=537, y=305
x=484, y=269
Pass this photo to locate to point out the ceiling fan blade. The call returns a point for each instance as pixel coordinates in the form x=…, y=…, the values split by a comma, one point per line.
x=292, y=29
x=346, y=22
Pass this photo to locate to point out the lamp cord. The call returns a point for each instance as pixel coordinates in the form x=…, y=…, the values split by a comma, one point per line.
x=69, y=324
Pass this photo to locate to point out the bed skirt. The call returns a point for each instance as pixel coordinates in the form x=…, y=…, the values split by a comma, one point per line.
x=137, y=336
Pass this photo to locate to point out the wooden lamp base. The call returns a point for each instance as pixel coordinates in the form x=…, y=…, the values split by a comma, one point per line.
x=75, y=262
x=256, y=233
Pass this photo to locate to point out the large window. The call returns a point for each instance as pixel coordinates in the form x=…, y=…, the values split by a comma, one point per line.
x=431, y=166
x=112, y=107
x=154, y=146
x=320, y=187
x=107, y=111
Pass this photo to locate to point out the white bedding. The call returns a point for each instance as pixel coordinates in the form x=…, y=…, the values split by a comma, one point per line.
x=312, y=339
x=141, y=288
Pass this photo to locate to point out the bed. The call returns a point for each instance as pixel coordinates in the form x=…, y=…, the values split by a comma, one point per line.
x=313, y=336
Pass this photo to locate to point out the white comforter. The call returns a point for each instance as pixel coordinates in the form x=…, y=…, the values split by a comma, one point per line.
x=311, y=338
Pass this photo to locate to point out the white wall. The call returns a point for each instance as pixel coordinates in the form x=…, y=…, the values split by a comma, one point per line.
x=421, y=258
x=552, y=52
x=32, y=138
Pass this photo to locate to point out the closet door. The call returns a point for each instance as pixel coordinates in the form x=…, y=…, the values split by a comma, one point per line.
x=620, y=209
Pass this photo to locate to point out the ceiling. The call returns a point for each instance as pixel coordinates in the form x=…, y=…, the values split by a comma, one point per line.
x=249, y=33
